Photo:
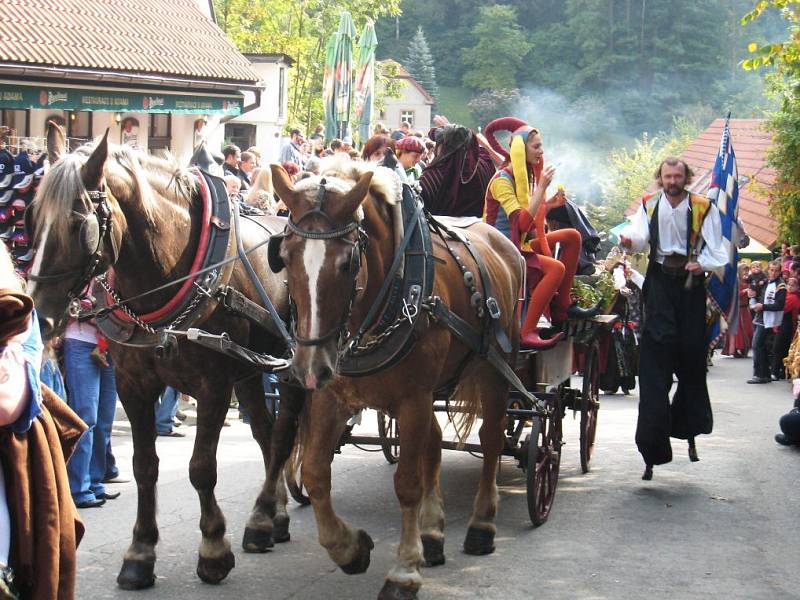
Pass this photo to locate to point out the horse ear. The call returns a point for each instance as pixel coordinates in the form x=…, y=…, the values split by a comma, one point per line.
x=282, y=184
x=358, y=193
x=56, y=142
x=92, y=170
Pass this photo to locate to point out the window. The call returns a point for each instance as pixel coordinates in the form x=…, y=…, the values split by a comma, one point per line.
x=281, y=90
x=408, y=116
x=241, y=134
x=16, y=120
x=160, y=135
x=79, y=126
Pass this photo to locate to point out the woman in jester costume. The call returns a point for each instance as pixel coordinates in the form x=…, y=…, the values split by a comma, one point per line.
x=516, y=204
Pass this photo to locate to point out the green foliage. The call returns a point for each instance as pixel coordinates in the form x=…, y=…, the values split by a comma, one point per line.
x=300, y=29
x=452, y=103
x=419, y=63
x=492, y=104
x=499, y=53
x=784, y=85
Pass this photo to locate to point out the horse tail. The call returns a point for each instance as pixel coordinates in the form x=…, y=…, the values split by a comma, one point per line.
x=465, y=402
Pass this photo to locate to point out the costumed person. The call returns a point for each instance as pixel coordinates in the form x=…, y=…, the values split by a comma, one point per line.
x=790, y=422
x=684, y=233
x=517, y=191
x=39, y=525
x=409, y=153
x=622, y=353
x=738, y=344
x=454, y=182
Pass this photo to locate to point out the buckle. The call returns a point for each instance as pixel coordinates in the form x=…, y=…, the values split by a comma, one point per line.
x=493, y=307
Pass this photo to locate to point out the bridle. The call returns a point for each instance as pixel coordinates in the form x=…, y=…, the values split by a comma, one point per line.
x=339, y=331
x=96, y=231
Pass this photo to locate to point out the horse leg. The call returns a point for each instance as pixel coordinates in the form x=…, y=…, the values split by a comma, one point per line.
x=215, y=557
x=348, y=547
x=491, y=388
x=431, y=518
x=404, y=579
x=139, y=561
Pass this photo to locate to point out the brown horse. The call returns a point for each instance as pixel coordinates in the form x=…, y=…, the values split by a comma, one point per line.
x=333, y=279
x=155, y=214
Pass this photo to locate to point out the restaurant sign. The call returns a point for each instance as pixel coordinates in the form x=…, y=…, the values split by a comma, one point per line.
x=18, y=96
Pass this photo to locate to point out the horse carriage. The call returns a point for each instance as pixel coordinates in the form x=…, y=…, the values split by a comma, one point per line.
x=389, y=308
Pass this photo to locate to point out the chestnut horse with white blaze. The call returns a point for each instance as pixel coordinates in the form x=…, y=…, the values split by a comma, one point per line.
x=149, y=213
x=337, y=250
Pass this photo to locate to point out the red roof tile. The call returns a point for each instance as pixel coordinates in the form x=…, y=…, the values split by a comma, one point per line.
x=163, y=37
x=751, y=142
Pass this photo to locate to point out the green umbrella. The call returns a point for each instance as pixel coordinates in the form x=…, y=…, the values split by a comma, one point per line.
x=365, y=80
x=337, y=79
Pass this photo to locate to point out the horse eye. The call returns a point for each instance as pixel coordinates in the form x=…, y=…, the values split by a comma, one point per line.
x=344, y=266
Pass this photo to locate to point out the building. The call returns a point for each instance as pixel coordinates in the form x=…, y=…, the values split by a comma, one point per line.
x=159, y=74
x=751, y=143
x=414, y=104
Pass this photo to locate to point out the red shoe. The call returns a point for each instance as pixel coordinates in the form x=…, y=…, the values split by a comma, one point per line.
x=532, y=341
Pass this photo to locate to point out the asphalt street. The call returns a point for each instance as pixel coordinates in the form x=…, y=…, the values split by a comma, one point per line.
x=725, y=527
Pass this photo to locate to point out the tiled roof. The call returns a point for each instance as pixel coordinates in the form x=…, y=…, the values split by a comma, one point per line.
x=402, y=73
x=160, y=37
x=751, y=141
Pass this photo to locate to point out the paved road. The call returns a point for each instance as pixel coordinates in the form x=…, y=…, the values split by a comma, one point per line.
x=725, y=527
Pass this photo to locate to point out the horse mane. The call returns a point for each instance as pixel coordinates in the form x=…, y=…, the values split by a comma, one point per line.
x=341, y=173
x=147, y=177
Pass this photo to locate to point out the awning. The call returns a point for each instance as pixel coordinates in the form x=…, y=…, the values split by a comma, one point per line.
x=756, y=251
x=63, y=98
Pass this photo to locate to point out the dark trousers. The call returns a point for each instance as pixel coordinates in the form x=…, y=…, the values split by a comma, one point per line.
x=673, y=342
x=790, y=425
x=761, y=363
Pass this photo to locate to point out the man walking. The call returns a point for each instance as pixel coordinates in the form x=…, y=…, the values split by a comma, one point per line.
x=684, y=234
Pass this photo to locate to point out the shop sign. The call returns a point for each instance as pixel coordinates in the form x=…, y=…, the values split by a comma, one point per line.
x=12, y=96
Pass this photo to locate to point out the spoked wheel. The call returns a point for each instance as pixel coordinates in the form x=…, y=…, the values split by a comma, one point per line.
x=590, y=403
x=389, y=436
x=544, y=461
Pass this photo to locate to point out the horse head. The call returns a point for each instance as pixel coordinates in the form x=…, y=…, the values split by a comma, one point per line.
x=322, y=249
x=69, y=223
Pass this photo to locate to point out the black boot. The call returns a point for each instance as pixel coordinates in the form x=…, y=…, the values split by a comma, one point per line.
x=576, y=312
x=648, y=472
x=693, y=451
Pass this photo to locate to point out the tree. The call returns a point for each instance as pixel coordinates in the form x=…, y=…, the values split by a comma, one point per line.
x=784, y=122
x=497, y=58
x=419, y=63
x=300, y=29
x=492, y=104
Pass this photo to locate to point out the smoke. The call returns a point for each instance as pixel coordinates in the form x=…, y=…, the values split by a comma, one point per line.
x=578, y=137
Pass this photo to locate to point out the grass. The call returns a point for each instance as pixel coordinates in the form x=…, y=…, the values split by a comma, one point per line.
x=453, y=104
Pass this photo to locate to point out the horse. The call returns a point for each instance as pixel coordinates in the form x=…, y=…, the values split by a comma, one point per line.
x=337, y=249
x=106, y=206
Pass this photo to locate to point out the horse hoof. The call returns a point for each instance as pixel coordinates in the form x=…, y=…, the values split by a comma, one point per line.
x=214, y=570
x=433, y=550
x=360, y=563
x=280, y=530
x=136, y=575
x=395, y=591
x=257, y=540
x=479, y=541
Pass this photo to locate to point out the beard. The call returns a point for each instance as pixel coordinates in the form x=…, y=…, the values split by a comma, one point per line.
x=673, y=190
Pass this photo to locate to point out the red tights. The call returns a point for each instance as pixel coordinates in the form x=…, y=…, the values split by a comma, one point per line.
x=556, y=278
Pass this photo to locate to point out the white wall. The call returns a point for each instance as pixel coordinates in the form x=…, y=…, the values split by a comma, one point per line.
x=410, y=99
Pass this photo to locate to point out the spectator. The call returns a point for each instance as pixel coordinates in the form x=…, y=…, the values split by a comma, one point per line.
x=337, y=145
x=292, y=169
x=375, y=148
x=313, y=165
x=783, y=338
x=409, y=153
x=166, y=409
x=790, y=422
x=292, y=151
x=405, y=129
x=769, y=314
x=233, y=185
x=231, y=155
x=738, y=345
x=246, y=167
x=757, y=279
x=37, y=435
x=319, y=133
x=92, y=394
x=261, y=194
x=257, y=154
x=379, y=129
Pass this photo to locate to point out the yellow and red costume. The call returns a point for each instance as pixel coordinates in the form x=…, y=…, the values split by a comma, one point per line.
x=510, y=191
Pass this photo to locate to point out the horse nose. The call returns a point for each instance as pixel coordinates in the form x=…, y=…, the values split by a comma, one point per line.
x=316, y=378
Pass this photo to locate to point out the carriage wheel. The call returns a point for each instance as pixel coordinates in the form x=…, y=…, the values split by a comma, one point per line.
x=544, y=461
x=590, y=403
x=291, y=475
x=389, y=434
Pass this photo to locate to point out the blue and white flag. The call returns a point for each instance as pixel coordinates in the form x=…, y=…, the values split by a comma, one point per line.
x=723, y=287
